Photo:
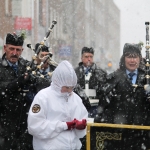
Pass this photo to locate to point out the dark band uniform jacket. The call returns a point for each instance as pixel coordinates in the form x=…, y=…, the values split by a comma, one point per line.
x=97, y=78
x=123, y=105
x=13, y=126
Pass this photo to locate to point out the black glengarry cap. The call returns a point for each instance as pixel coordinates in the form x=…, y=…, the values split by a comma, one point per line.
x=15, y=39
x=44, y=48
x=87, y=50
x=131, y=48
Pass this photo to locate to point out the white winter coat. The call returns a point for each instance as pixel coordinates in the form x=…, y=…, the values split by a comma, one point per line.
x=50, y=111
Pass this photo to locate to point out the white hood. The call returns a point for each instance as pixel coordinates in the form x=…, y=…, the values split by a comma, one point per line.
x=63, y=75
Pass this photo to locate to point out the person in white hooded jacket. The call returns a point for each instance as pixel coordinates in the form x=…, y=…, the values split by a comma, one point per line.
x=57, y=116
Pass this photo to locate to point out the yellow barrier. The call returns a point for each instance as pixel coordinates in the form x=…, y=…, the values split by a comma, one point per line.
x=116, y=134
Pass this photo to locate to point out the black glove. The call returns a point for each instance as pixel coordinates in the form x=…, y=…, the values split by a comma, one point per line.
x=17, y=83
x=31, y=79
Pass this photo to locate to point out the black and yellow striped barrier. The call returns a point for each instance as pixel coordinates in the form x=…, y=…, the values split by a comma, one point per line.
x=102, y=136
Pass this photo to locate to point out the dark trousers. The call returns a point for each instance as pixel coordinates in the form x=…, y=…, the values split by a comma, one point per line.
x=93, y=112
x=83, y=141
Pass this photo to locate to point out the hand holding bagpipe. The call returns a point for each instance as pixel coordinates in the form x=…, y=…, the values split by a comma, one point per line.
x=33, y=67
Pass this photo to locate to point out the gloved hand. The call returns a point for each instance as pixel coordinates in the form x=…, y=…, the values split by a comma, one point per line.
x=20, y=82
x=16, y=84
x=71, y=125
x=80, y=125
x=32, y=79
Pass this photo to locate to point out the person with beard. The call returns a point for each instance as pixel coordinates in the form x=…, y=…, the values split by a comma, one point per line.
x=14, y=103
x=124, y=103
x=57, y=117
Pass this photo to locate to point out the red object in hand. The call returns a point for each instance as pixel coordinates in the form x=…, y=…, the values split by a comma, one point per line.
x=71, y=125
x=80, y=125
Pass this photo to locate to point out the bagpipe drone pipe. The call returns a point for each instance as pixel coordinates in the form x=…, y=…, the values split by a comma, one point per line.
x=32, y=66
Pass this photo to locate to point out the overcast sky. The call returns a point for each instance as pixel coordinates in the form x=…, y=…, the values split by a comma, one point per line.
x=134, y=14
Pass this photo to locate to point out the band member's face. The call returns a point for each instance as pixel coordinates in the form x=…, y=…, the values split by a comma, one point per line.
x=41, y=57
x=87, y=59
x=13, y=52
x=132, y=62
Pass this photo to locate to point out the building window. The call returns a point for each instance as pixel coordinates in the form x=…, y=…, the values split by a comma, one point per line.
x=7, y=7
x=16, y=7
x=40, y=13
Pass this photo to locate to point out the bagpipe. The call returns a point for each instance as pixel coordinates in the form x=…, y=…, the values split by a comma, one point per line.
x=33, y=67
x=147, y=60
x=146, y=63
